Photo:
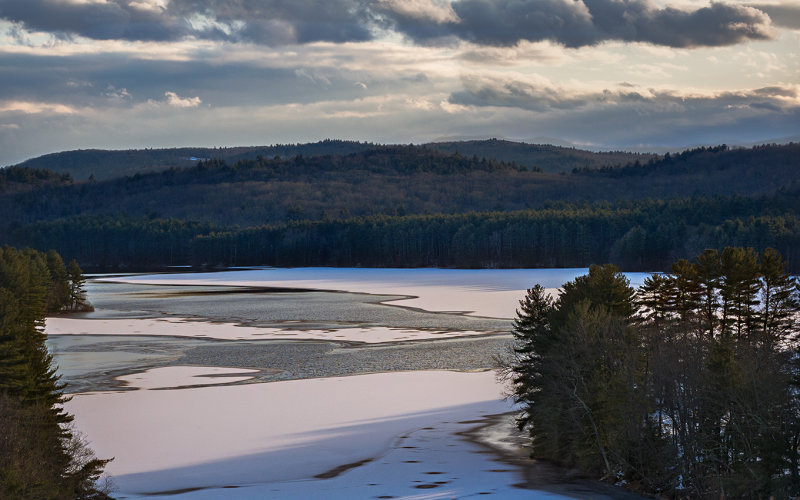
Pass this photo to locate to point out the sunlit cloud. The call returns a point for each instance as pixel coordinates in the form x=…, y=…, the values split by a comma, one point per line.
x=30, y=108
x=177, y=101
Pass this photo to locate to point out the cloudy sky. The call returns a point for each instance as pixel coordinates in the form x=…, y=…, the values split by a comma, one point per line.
x=600, y=73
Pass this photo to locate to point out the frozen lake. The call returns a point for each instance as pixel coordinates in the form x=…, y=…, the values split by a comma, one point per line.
x=248, y=384
x=475, y=292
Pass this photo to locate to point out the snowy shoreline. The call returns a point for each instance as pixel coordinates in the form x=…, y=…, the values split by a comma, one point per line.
x=280, y=435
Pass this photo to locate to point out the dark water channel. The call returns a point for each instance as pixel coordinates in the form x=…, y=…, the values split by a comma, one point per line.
x=90, y=362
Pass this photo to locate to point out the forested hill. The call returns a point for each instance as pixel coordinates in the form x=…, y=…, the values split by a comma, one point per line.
x=394, y=180
x=103, y=165
x=413, y=206
x=546, y=157
x=107, y=164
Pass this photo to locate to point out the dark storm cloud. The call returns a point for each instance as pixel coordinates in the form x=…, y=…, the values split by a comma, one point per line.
x=628, y=118
x=545, y=99
x=640, y=21
x=573, y=23
x=515, y=95
x=100, y=21
x=268, y=20
x=588, y=22
x=787, y=16
x=271, y=22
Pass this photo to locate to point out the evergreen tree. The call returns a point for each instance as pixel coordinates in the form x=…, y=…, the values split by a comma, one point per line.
x=58, y=295
x=77, y=294
x=695, y=394
x=40, y=457
x=739, y=286
x=532, y=335
x=652, y=299
x=572, y=359
x=707, y=278
x=779, y=301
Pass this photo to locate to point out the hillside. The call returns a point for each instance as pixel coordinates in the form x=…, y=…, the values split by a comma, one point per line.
x=543, y=156
x=410, y=206
x=104, y=165
x=397, y=180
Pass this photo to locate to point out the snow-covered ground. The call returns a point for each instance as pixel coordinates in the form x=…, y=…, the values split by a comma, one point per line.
x=184, y=327
x=427, y=464
x=271, y=439
x=479, y=292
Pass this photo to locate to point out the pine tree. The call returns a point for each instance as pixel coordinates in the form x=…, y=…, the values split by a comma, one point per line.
x=652, y=299
x=695, y=394
x=739, y=286
x=779, y=302
x=77, y=295
x=39, y=455
x=707, y=279
x=684, y=291
x=532, y=337
x=575, y=368
x=58, y=294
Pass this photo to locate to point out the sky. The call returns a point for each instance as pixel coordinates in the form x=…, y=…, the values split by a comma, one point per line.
x=601, y=74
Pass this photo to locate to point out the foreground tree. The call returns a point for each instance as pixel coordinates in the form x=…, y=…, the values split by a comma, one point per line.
x=688, y=388
x=40, y=457
x=532, y=336
x=575, y=370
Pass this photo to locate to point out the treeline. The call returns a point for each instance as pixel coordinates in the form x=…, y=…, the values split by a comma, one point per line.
x=545, y=157
x=647, y=235
x=400, y=180
x=642, y=235
x=103, y=164
x=116, y=242
x=40, y=456
x=702, y=159
x=14, y=179
x=686, y=388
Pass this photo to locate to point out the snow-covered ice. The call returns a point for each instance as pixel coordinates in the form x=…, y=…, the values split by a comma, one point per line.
x=212, y=437
x=479, y=292
x=428, y=463
x=185, y=327
x=183, y=376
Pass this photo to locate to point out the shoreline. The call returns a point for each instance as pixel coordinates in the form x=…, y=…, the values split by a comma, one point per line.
x=537, y=475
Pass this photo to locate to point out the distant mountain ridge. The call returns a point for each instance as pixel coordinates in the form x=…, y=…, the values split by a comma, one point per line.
x=109, y=164
x=547, y=157
x=410, y=206
x=395, y=180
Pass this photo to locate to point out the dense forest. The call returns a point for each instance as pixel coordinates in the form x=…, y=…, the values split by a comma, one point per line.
x=412, y=206
x=545, y=157
x=636, y=235
x=392, y=181
x=103, y=165
x=40, y=455
x=685, y=388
